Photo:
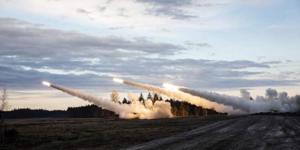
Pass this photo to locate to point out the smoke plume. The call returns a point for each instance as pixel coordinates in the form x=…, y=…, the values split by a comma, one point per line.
x=134, y=110
x=172, y=92
x=271, y=102
x=245, y=94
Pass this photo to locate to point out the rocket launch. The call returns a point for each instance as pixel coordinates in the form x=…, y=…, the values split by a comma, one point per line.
x=173, y=92
x=220, y=102
x=136, y=110
x=260, y=104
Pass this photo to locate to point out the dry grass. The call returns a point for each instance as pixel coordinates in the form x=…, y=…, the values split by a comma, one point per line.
x=97, y=133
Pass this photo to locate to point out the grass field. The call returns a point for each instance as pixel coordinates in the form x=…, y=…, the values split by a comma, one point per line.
x=97, y=133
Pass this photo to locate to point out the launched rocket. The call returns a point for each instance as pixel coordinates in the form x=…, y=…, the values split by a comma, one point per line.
x=148, y=87
x=171, y=91
x=72, y=92
x=136, y=110
x=106, y=104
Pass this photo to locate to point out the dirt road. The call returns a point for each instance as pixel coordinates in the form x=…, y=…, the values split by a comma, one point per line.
x=249, y=132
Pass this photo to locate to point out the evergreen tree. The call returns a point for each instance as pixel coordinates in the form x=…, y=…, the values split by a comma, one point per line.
x=155, y=98
x=125, y=101
x=141, y=98
x=149, y=96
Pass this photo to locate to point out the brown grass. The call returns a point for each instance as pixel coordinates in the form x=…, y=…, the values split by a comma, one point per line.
x=97, y=133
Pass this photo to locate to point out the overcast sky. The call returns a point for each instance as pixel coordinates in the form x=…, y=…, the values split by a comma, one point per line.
x=219, y=45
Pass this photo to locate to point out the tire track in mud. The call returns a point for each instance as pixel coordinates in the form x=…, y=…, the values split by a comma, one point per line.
x=161, y=143
x=249, y=132
x=217, y=138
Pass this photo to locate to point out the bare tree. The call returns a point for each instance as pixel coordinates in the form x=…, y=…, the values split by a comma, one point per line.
x=3, y=105
x=114, y=96
x=3, y=100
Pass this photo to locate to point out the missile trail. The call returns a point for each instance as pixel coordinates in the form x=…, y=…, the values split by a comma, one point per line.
x=137, y=110
x=172, y=92
x=247, y=105
x=235, y=102
x=72, y=92
x=95, y=100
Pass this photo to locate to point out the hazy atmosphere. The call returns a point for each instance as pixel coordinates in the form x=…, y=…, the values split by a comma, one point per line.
x=212, y=45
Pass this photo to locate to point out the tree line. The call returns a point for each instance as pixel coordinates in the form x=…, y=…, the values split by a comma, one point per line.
x=178, y=108
x=88, y=111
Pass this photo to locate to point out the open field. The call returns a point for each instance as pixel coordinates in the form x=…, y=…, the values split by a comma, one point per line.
x=98, y=133
x=249, y=132
x=241, y=132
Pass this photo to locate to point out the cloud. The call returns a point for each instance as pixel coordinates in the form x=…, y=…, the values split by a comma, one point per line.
x=171, y=3
x=22, y=38
x=83, y=11
x=179, y=9
x=94, y=72
x=30, y=53
x=101, y=8
x=143, y=16
x=174, y=13
x=171, y=8
x=197, y=44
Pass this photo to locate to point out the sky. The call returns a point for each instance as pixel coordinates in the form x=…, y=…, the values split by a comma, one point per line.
x=213, y=45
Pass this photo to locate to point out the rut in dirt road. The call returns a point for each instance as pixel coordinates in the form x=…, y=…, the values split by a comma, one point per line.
x=249, y=132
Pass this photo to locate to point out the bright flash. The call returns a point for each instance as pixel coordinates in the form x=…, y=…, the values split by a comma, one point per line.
x=46, y=83
x=118, y=80
x=170, y=87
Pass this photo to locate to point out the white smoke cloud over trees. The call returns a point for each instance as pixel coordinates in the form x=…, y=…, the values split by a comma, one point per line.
x=272, y=101
x=160, y=109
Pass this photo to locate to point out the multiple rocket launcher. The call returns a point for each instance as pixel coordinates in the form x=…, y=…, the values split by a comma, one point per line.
x=160, y=109
x=199, y=98
x=169, y=90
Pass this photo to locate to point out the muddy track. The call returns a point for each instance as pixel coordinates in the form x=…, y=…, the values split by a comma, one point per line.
x=249, y=132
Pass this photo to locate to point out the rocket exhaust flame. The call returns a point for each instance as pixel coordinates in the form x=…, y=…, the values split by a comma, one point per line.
x=170, y=87
x=46, y=83
x=118, y=80
x=137, y=110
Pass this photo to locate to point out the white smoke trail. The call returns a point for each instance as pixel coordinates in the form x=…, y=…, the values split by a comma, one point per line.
x=135, y=110
x=271, y=102
x=172, y=92
x=222, y=103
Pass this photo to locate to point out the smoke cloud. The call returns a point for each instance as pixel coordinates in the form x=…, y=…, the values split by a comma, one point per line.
x=271, y=93
x=271, y=102
x=172, y=92
x=160, y=109
x=245, y=94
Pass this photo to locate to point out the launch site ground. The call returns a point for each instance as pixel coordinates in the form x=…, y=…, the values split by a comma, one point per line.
x=213, y=132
